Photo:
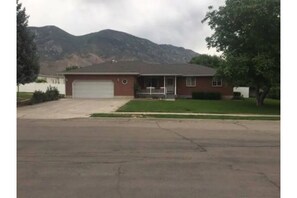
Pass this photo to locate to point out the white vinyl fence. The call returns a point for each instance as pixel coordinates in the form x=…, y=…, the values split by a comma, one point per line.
x=31, y=87
x=243, y=90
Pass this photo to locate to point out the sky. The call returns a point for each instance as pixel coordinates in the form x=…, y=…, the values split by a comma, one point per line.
x=175, y=22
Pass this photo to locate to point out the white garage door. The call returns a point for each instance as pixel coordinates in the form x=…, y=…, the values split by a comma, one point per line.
x=92, y=89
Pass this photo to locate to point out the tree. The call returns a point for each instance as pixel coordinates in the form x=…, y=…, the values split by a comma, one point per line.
x=71, y=68
x=27, y=59
x=207, y=60
x=248, y=34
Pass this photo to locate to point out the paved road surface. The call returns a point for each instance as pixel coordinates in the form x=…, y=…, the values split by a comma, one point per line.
x=120, y=158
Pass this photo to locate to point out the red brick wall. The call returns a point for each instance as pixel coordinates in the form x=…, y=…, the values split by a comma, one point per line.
x=202, y=84
x=119, y=88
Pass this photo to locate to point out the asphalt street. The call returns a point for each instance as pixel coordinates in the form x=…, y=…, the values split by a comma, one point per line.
x=127, y=158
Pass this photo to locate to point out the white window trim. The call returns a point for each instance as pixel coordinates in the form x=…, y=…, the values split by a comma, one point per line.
x=190, y=85
x=216, y=83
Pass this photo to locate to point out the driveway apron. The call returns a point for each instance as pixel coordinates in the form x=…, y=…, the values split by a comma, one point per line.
x=69, y=108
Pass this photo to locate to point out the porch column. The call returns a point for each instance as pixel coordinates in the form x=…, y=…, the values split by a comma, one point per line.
x=164, y=86
x=175, y=85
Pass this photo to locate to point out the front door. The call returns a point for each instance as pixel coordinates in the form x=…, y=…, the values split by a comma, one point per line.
x=169, y=85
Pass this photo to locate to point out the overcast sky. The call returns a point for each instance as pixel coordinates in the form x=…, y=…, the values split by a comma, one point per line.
x=176, y=22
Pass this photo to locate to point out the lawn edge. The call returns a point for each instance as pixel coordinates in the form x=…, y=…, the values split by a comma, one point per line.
x=178, y=116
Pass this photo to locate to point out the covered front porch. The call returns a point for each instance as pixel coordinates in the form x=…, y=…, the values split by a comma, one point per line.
x=156, y=87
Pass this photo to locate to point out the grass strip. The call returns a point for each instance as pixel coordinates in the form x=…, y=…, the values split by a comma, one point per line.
x=24, y=96
x=114, y=115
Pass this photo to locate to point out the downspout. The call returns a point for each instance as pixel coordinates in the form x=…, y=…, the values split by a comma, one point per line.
x=164, y=87
x=175, y=85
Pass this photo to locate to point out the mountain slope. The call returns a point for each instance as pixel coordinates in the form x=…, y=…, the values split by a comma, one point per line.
x=58, y=49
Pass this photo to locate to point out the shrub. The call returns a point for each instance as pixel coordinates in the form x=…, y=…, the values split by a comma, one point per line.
x=52, y=93
x=198, y=95
x=274, y=93
x=206, y=95
x=38, y=97
x=136, y=89
x=213, y=96
x=237, y=95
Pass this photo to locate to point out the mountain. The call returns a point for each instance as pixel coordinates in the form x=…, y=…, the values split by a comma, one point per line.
x=58, y=49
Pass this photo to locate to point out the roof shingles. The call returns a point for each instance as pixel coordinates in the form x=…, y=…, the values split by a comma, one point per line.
x=142, y=68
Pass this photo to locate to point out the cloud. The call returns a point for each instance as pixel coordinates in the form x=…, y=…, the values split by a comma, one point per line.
x=173, y=22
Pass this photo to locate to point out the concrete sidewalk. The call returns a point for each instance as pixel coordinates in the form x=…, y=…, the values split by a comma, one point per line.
x=195, y=114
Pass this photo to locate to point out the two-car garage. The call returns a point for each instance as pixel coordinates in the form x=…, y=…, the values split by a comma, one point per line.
x=93, y=89
x=99, y=86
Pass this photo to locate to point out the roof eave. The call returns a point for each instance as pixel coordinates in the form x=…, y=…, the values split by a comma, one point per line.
x=178, y=75
x=99, y=73
x=132, y=73
x=199, y=75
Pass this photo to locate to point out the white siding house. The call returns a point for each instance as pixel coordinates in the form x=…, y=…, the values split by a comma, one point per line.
x=243, y=90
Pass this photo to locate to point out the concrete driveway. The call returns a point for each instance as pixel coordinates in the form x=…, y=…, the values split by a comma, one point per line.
x=69, y=108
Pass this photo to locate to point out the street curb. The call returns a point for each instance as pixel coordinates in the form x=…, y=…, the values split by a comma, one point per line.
x=194, y=114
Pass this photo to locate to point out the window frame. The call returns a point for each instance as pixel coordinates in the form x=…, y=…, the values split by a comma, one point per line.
x=217, y=82
x=191, y=80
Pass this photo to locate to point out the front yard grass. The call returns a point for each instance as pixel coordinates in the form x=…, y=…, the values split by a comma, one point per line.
x=246, y=106
x=115, y=115
x=23, y=96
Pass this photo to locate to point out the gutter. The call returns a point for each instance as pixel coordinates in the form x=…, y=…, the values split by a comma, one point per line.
x=133, y=73
x=190, y=75
x=99, y=73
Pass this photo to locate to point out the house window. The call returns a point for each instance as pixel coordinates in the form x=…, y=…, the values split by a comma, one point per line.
x=216, y=82
x=151, y=82
x=191, y=81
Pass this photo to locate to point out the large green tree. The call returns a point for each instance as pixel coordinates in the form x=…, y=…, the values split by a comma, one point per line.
x=27, y=59
x=207, y=60
x=248, y=34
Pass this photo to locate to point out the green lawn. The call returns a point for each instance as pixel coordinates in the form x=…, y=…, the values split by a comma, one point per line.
x=247, y=106
x=23, y=96
x=115, y=115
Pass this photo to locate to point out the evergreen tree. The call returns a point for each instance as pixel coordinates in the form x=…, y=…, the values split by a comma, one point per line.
x=27, y=59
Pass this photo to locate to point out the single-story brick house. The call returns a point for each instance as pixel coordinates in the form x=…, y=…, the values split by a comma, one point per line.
x=129, y=79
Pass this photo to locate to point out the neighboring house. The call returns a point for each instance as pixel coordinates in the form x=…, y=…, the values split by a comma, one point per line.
x=130, y=79
x=57, y=81
x=245, y=91
x=31, y=87
x=52, y=79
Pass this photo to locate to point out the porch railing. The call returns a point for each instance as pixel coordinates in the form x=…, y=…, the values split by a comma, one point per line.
x=151, y=90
